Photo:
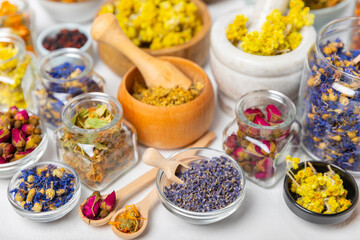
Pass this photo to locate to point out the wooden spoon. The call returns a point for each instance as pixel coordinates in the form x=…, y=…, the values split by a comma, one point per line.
x=138, y=183
x=154, y=158
x=156, y=72
x=143, y=208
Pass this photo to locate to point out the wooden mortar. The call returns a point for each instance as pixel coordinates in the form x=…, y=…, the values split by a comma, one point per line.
x=169, y=127
x=195, y=50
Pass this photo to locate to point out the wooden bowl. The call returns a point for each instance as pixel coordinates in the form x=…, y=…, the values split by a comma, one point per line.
x=169, y=127
x=195, y=50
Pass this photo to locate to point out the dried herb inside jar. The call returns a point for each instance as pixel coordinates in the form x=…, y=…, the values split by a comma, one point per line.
x=97, y=156
x=93, y=118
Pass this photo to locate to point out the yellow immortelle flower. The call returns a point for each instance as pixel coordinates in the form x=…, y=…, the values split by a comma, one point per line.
x=156, y=24
x=279, y=34
x=319, y=192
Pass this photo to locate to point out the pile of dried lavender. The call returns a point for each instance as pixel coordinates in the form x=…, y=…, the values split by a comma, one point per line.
x=208, y=185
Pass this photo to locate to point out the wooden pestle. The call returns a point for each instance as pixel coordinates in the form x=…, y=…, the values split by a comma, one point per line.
x=156, y=72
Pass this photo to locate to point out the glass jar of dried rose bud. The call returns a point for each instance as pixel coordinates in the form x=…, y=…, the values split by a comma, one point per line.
x=95, y=140
x=263, y=133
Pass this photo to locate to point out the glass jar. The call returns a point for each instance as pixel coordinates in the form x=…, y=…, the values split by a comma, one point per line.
x=54, y=91
x=261, y=150
x=100, y=155
x=356, y=40
x=17, y=72
x=20, y=22
x=329, y=96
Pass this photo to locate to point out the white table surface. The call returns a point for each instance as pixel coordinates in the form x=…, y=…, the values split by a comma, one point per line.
x=263, y=214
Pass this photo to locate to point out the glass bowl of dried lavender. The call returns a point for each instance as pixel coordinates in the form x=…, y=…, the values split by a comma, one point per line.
x=45, y=191
x=23, y=140
x=214, y=186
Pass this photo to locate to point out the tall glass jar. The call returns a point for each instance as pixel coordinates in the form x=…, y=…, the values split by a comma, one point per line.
x=17, y=72
x=17, y=18
x=261, y=147
x=99, y=155
x=329, y=96
x=55, y=90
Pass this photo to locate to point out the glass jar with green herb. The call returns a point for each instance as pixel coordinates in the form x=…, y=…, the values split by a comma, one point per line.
x=95, y=140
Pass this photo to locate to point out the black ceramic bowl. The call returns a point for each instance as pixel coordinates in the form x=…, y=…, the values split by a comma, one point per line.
x=348, y=182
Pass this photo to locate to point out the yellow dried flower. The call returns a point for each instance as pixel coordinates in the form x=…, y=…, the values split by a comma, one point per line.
x=156, y=24
x=321, y=193
x=278, y=35
x=165, y=97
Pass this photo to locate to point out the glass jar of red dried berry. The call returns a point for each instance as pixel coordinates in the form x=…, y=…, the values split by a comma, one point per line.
x=263, y=133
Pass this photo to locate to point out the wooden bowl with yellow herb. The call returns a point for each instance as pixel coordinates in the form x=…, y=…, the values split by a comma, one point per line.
x=168, y=127
x=196, y=49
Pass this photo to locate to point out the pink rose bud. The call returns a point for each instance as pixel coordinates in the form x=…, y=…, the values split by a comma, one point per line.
x=8, y=150
x=252, y=113
x=22, y=115
x=19, y=155
x=254, y=150
x=273, y=113
x=270, y=147
x=268, y=169
x=27, y=129
x=109, y=202
x=5, y=121
x=239, y=153
x=13, y=110
x=3, y=160
x=4, y=135
x=92, y=207
x=261, y=151
x=231, y=141
x=261, y=121
x=18, y=138
x=32, y=141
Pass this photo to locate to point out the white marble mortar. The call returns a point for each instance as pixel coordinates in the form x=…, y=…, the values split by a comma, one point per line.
x=237, y=73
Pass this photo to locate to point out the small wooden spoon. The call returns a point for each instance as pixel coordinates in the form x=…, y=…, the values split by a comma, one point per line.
x=154, y=158
x=156, y=72
x=138, y=183
x=143, y=208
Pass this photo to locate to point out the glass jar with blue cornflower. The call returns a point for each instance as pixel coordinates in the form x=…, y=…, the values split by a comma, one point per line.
x=330, y=96
x=64, y=73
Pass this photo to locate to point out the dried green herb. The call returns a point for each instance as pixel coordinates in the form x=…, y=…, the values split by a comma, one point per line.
x=93, y=118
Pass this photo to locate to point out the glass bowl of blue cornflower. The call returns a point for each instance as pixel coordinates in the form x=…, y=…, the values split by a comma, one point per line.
x=213, y=186
x=45, y=191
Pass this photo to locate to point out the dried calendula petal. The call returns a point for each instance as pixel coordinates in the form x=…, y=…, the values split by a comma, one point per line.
x=128, y=221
